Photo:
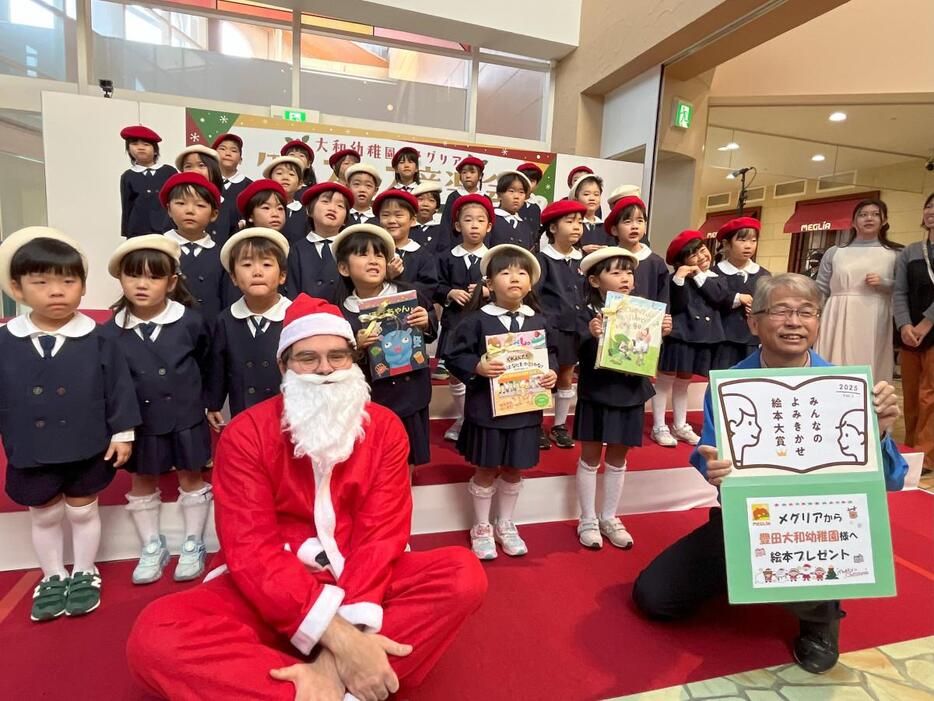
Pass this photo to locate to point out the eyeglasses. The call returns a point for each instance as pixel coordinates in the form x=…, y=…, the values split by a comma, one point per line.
x=782, y=313
x=338, y=359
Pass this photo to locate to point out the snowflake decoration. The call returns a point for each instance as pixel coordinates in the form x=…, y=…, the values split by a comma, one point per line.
x=224, y=119
x=505, y=152
x=194, y=136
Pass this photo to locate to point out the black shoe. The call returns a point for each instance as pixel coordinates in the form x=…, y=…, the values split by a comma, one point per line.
x=543, y=442
x=817, y=647
x=561, y=437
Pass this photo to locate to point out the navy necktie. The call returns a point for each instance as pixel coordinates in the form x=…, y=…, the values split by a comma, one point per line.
x=257, y=323
x=474, y=261
x=325, y=252
x=513, y=322
x=47, y=343
x=146, y=329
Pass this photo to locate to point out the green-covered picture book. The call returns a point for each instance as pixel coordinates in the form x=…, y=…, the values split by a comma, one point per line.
x=632, y=335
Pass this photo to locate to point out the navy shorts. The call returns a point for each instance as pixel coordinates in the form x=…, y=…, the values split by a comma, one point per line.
x=35, y=486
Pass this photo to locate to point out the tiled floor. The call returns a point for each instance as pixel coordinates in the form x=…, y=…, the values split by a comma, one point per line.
x=899, y=672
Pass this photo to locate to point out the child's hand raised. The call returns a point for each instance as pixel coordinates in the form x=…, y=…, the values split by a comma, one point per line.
x=395, y=268
x=686, y=271
x=596, y=326
x=418, y=318
x=489, y=368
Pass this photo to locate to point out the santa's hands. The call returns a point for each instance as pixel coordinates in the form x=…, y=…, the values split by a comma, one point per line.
x=314, y=681
x=549, y=379
x=909, y=337
x=216, y=420
x=596, y=326
x=418, y=318
x=119, y=451
x=885, y=402
x=716, y=469
x=666, y=325
x=365, y=340
x=362, y=660
x=394, y=268
x=461, y=297
x=489, y=368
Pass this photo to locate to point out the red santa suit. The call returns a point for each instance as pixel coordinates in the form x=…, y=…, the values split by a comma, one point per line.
x=299, y=546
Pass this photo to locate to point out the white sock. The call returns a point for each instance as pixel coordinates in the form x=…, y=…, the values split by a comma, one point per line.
x=563, y=405
x=48, y=538
x=663, y=385
x=195, y=507
x=508, y=496
x=586, y=478
x=679, y=402
x=458, y=394
x=613, y=478
x=85, y=535
x=482, y=501
x=144, y=510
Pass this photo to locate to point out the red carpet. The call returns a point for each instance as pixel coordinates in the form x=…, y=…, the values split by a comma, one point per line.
x=557, y=624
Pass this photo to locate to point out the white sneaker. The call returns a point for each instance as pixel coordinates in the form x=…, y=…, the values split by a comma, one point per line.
x=190, y=560
x=663, y=437
x=507, y=535
x=616, y=532
x=481, y=541
x=588, y=532
x=685, y=433
x=152, y=560
x=453, y=433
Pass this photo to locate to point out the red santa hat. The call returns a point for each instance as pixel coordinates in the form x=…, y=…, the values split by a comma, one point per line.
x=141, y=133
x=470, y=161
x=227, y=137
x=737, y=224
x=301, y=145
x=338, y=156
x=312, y=316
x=679, y=242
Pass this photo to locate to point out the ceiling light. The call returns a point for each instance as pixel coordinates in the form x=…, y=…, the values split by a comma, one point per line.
x=818, y=157
x=730, y=176
x=732, y=146
x=837, y=117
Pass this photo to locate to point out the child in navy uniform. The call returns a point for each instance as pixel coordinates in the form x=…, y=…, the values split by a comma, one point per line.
x=364, y=181
x=512, y=189
x=499, y=447
x=458, y=277
x=192, y=203
x=587, y=190
x=140, y=185
x=166, y=345
x=738, y=239
x=229, y=148
x=243, y=350
x=405, y=165
x=287, y=171
x=362, y=252
x=610, y=405
x=69, y=409
x=560, y=291
x=296, y=148
x=262, y=204
x=206, y=162
x=696, y=294
x=470, y=173
x=341, y=160
x=412, y=263
x=535, y=204
x=428, y=218
x=311, y=264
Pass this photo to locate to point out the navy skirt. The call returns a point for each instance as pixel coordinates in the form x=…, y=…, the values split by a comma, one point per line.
x=729, y=354
x=567, y=343
x=416, y=427
x=683, y=357
x=188, y=449
x=608, y=424
x=499, y=447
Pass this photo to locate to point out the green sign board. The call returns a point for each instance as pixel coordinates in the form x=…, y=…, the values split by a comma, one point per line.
x=682, y=113
x=805, y=515
x=294, y=116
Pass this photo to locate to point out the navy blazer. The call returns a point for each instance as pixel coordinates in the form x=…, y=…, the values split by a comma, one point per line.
x=311, y=273
x=560, y=290
x=735, y=327
x=453, y=274
x=519, y=235
x=595, y=235
x=229, y=207
x=420, y=270
x=652, y=278
x=64, y=408
x=532, y=213
x=209, y=283
x=425, y=235
x=694, y=311
x=142, y=213
x=168, y=373
x=296, y=226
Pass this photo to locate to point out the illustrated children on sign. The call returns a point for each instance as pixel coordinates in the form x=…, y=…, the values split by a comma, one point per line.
x=405, y=166
x=851, y=435
x=72, y=410
x=363, y=180
x=287, y=171
x=512, y=189
x=742, y=425
x=141, y=212
x=340, y=161
x=499, y=447
x=206, y=162
x=166, y=344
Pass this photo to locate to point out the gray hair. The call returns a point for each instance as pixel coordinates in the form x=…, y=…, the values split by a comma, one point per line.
x=799, y=285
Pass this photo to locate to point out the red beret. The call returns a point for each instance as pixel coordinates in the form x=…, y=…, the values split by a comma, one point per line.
x=559, y=209
x=227, y=137
x=188, y=178
x=403, y=151
x=679, y=242
x=320, y=188
x=474, y=198
x=140, y=132
x=575, y=171
x=298, y=143
x=613, y=217
x=736, y=225
x=528, y=166
x=470, y=161
x=255, y=188
x=343, y=153
x=394, y=194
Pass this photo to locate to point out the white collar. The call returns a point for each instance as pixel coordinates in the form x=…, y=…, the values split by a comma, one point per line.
x=643, y=253
x=459, y=251
x=206, y=242
x=399, y=186
x=368, y=213
x=435, y=220
x=409, y=247
x=235, y=178
x=554, y=253
x=173, y=311
x=317, y=238
x=596, y=220
x=137, y=168
x=80, y=325
x=294, y=205
x=276, y=312
x=495, y=310
x=462, y=191
x=506, y=215
x=352, y=303
x=729, y=269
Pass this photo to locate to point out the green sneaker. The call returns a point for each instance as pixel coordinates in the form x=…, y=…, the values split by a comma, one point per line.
x=48, y=598
x=84, y=593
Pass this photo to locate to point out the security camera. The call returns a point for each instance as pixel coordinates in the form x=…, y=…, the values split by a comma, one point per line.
x=929, y=165
x=107, y=87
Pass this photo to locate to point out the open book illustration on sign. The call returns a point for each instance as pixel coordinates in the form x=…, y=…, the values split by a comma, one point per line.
x=796, y=423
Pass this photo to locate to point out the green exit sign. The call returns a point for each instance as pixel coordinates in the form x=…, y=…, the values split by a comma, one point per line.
x=294, y=116
x=682, y=113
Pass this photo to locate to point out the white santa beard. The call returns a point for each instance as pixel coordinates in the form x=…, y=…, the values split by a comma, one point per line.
x=324, y=414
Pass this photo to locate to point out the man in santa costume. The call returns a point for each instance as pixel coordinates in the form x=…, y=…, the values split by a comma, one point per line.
x=312, y=595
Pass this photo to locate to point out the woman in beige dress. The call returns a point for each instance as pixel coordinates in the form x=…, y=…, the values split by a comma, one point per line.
x=858, y=278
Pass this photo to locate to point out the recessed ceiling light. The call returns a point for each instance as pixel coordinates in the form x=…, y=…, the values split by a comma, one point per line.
x=818, y=157
x=837, y=116
x=732, y=146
